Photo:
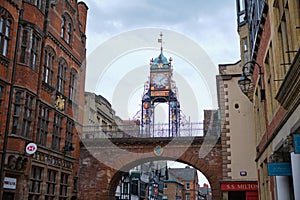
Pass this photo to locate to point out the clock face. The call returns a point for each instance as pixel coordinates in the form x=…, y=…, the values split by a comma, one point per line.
x=159, y=81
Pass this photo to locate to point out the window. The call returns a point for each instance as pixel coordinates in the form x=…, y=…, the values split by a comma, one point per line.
x=69, y=134
x=1, y=99
x=5, y=29
x=16, y=113
x=66, y=28
x=35, y=183
x=43, y=124
x=143, y=188
x=125, y=188
x=188, y=186
x=245, y=49
x=63, y=28
x=56, y=135
x=63, y=189
x=48, y=65
x=50, y=185
x=72, y=86
x=284, y=36
x=187, y=196
x=75, y=184
x=34, y=52
x=241, y=11
x=29, y=48
x=27, y=120
x=69, y=33
x=38, y=3
x=61, y=76
x=134, y=187
x=23, y=46
x=1, y=93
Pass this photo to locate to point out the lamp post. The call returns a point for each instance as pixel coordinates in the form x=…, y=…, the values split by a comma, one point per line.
x=246, y=84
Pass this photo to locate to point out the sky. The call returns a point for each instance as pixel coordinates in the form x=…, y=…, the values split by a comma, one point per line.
x=209, y=24
x=116, y=67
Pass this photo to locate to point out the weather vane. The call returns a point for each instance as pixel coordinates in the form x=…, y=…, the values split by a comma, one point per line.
x=160, y=40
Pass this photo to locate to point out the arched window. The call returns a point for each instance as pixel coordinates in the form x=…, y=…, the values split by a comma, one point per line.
x=49, y=58
x=61, y=76
x=5, y=29
x=69, y=33
x=73, y=84
x=63, y=27
x=66, y=28
x=30, y=47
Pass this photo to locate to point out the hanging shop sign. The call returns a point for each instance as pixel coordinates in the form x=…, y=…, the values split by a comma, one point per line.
x=135, y=176
x=279, y=169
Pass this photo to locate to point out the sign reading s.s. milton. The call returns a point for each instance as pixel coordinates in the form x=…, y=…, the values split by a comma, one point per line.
x=239, y=186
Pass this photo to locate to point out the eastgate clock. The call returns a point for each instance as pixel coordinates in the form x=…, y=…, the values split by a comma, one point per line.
x=160, y=81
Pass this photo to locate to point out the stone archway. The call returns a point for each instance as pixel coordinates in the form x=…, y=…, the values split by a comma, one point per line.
x=99, y=181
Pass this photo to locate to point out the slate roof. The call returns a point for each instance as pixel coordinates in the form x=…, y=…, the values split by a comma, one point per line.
x=186, y=174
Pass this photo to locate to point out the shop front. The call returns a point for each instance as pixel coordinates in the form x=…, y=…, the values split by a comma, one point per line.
x=240, y=190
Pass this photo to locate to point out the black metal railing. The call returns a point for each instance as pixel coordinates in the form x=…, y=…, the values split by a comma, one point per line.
x=195, y=129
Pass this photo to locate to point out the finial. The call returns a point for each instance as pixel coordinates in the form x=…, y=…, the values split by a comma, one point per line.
x=160, y=40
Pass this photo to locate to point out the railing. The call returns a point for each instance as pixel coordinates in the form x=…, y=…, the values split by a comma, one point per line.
x=146, y=131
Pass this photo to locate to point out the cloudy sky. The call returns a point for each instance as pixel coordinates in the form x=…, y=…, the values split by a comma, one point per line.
x=209, y=24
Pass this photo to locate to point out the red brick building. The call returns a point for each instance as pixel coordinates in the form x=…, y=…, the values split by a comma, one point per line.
x=187, y=185
x=42, y=75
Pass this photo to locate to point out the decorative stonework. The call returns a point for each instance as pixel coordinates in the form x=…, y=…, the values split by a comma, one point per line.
x=60, y=103
x=52, y=160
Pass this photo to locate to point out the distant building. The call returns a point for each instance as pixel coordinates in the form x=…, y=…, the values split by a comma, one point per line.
x=144, y=181
x=188, y=177
x=100, y=120
x=173, y=187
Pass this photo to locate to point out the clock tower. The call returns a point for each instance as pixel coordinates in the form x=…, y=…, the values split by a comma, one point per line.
x=161, y=88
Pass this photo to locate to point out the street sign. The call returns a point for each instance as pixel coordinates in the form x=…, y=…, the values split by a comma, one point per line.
x=10, y=183
x=279, y=169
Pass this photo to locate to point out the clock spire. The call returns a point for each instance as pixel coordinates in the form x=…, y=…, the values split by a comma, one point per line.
x=160, y=41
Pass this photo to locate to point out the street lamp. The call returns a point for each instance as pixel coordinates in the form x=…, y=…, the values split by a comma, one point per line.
x=246, y=84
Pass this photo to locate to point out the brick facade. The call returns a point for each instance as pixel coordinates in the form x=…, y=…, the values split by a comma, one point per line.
x=43, y=68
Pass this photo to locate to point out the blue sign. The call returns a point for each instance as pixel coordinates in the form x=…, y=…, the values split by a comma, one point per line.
x=279, y=169
x=297, y=143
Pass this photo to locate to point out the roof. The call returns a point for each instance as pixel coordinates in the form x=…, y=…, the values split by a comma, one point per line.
x=186, y=174
x=172, y=178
